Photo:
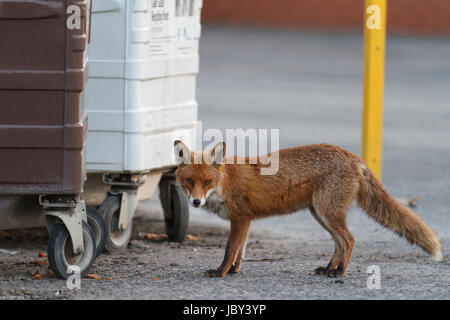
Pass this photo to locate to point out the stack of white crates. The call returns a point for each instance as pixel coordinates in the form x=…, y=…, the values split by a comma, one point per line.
x=140, y=97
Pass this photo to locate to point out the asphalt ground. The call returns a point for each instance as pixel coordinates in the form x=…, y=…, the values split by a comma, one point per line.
x=309, y=86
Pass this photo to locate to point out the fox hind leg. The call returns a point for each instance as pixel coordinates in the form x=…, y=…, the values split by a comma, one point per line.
x=344, y=242
x=329, y=207
x=337, y=247
x=347, y=241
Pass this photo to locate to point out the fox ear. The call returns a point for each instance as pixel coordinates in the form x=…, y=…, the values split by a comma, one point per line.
x=182, y=153
x=218, y=153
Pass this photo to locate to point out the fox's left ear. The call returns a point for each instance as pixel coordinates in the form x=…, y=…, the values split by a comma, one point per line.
x=218, y=153
x=182, y=153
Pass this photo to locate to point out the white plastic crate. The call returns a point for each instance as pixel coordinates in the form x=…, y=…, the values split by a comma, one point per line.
x=140, y=97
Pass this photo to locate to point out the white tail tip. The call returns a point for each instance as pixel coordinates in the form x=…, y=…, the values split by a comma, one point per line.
x=437, y=256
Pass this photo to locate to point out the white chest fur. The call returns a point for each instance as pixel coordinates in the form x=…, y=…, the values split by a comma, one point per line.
x=214, y=203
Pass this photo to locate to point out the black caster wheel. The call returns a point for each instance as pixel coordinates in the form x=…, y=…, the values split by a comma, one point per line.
x=176, y=210
x=95, y=221
x=60, y=251
x=117, y=239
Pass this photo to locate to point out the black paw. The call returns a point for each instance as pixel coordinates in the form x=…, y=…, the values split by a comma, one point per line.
x=334, y=273
x=214, y=273
x=321, y=271
x=232, y=270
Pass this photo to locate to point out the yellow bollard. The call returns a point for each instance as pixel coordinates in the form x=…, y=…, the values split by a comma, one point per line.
x=374, y=48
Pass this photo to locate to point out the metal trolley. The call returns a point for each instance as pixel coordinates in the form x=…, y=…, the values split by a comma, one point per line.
x=140, y=97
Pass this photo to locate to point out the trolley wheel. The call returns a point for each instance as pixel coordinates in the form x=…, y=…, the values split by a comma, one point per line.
x=176, y=210
x=60, y=251
x=96, y=222
x=116, y=238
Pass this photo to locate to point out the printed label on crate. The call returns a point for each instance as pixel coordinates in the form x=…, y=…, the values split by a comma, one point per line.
x=185, y=19
x=185, y=36
x=161, y=37
x=172, y=28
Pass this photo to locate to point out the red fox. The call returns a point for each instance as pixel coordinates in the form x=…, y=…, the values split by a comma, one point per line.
x=322, y=178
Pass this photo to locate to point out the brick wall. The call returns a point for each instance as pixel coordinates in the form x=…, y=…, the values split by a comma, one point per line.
x=422, y=17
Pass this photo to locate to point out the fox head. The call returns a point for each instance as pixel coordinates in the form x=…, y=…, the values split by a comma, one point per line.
x=199, y=173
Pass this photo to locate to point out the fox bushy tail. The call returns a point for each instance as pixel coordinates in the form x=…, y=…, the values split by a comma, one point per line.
x=390, y=213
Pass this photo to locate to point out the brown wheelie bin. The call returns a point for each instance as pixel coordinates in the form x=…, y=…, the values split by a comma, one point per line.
x=43, y=126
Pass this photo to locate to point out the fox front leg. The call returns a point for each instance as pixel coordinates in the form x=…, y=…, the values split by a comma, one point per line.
x=238, y=234
x=237, y=264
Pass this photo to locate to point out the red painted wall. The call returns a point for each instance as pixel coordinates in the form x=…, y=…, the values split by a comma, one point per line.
x=422, y=17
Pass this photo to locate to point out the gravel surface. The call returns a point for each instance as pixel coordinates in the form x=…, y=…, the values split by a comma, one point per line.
x=309, y=86
x=277, y=266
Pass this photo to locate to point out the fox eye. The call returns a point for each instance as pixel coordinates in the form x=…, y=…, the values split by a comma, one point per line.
x=190, y=181
x=207, y=182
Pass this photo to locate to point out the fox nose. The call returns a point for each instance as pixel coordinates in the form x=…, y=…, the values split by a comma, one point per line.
x=196, y=202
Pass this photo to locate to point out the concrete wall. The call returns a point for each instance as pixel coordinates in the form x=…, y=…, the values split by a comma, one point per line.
x=420, y=17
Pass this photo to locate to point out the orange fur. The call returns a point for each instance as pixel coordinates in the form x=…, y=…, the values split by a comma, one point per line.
x=324, y=178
